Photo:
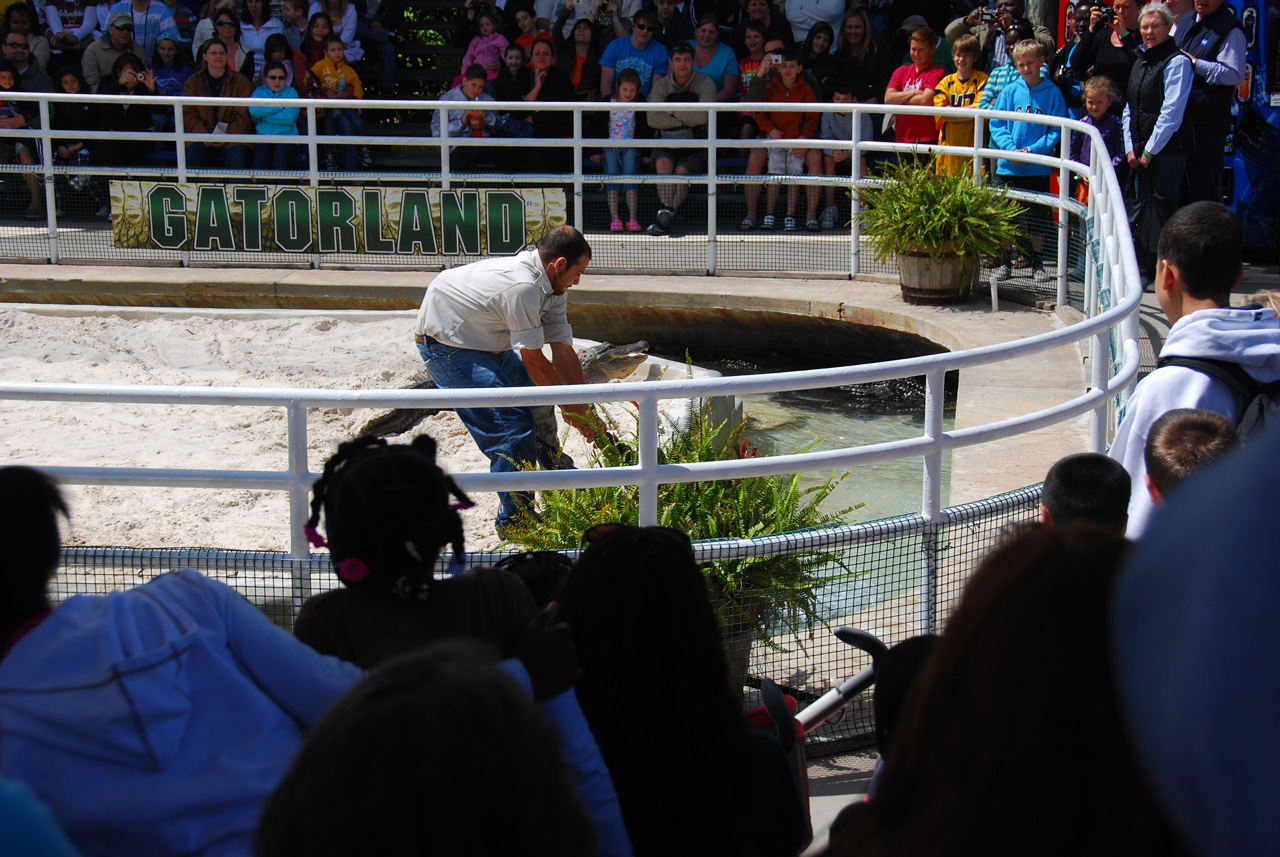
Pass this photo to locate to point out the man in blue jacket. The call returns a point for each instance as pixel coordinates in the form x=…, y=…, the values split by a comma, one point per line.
x=1030, y=93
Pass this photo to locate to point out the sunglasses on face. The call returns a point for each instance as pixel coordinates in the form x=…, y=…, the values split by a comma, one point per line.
x=275, y=77
x=677, y=538
x=21, y=46
x=226, y=23
x=644, y=28
x=127, y=28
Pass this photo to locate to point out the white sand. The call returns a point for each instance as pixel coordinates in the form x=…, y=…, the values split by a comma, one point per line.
x=294, y=349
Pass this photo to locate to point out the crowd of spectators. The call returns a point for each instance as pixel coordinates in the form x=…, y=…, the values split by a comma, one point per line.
x=1159, y=80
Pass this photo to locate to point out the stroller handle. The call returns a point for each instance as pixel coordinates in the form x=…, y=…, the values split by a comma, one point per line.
x=834, y=700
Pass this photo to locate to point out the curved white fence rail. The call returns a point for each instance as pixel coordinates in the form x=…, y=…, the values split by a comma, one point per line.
x=1104, y=208
x=1112, y=299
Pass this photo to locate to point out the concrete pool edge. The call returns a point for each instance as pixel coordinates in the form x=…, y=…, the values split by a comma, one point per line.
x=986, y=394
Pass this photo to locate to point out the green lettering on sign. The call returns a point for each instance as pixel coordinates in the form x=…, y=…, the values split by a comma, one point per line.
x=416, y=229
x=336, y=215
x=460, y=222
x=374, y=242
x=213, y=220
x=505, y=222
x=291, y=210
x=167, y=213
x=251, y=200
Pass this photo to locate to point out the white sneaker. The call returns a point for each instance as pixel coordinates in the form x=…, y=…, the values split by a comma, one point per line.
x=1001, y=273
x=1040, y=275
x=828, y=219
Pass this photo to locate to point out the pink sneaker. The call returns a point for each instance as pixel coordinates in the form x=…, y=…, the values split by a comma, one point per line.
x=616, y=226
x=634, y=226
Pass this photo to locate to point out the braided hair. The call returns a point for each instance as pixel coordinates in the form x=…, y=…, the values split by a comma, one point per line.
x=389, y=510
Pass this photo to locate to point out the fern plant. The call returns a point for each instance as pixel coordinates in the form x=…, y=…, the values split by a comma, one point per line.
x=751, y=594
x=916, y=211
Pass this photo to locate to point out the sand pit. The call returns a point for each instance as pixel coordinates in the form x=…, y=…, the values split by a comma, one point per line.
x=184, y=347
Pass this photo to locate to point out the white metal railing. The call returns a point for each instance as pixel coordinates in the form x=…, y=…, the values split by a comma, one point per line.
x=313, y=175
x=1110, y=329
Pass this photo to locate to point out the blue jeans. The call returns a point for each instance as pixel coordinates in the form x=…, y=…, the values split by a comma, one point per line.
x=237, y=157
x=276, y=156
x=504, y=435
x=620, y=162
x=344, y=123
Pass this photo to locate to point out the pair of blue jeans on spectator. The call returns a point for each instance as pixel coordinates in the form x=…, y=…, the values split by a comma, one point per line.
x=505, y=435
x=344, y=123
x=621, y=162
x=275, y=156
x=235, y=157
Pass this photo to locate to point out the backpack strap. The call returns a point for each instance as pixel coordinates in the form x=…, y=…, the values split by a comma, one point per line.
x=1231, y=374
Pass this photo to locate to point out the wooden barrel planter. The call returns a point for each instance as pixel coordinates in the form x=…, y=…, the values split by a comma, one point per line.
x=947, y=280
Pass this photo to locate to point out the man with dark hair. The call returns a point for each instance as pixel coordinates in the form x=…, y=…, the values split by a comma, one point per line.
x=1086, y=486
x=641, y=52
x=683, y=84
x=988, y=26
x=484, y=325
x=1198, y=264
x=1215, y=41
x=1182, y=442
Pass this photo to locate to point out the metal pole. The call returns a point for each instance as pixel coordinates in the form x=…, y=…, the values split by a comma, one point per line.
x=931, y=501
x=979, y=133
x=50, y=201
x=712, y=173
x=577, y=169
x=299, y=481
x=1064, y=188
x=855, y=172
x=180, y=141
x=313, y=150
x=648, y=511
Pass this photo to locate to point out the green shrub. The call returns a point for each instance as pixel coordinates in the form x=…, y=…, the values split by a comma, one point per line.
x=916, y=210
x=751, y=593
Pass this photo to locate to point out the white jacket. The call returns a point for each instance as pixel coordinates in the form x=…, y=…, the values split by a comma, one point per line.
x=1249, y=336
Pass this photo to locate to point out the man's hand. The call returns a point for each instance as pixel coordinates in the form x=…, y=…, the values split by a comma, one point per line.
x=581, y=417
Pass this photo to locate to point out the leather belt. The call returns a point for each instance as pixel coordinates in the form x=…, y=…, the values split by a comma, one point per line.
x=423, y=339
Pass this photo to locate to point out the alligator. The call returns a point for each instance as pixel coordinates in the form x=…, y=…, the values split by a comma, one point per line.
x=600, y=363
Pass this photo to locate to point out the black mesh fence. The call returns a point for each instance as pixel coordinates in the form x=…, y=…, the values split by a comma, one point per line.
x=895, y=578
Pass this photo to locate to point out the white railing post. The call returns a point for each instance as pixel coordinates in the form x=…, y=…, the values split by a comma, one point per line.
x=931, y=501
x=577, y=172
x=713, y=172
x=180, y=141
x=46, y=176
x=299, y=481
x=1064, y=193
x=648, y=445
x=855, y=207
x=445, y=170
x=979, y=133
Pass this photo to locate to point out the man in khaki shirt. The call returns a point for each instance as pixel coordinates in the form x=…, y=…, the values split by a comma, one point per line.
x=484, y=325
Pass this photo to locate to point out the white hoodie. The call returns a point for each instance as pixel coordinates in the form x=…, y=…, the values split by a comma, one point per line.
x=1249, y=336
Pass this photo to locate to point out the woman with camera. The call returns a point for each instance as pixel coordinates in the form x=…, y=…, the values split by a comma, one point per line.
x=1110, y=47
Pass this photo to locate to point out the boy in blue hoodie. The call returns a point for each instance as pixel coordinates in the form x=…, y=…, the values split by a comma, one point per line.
x=1029, y=94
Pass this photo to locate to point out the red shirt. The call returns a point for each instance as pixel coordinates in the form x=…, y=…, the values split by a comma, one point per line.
x=916, y=129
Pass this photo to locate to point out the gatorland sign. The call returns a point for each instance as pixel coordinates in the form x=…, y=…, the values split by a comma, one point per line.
x=359, y=220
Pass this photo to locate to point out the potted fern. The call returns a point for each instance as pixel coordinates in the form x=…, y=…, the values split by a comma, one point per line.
x=753, y=595
x=937, y=227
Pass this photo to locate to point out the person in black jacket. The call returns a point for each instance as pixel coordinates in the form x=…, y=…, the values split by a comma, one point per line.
x=1215, y=41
